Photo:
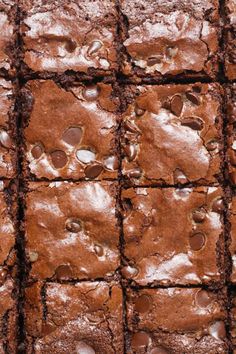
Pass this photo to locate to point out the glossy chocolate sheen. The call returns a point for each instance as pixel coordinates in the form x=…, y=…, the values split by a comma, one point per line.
x=84, y=318
x=71, y=230
x=71, y=134
x=172, y=236
x=69, y=35
x=167, y=38
x=176, y=321
x=230, y=40
x=172, y=134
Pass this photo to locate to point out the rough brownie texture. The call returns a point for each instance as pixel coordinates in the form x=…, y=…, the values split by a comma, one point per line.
x=233, y=318
x=69, y=35
x=164, y=39
x=70, y=134
x=7, y=130
x=169, y=233
x=71, y=230
x=230, y=39
x=176, y=321
x=84, y=318
x=231, y=132
x=172, y=134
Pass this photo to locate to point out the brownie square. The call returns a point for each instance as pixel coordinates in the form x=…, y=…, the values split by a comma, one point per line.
x=231, y=131
x=81, y=318
x=176, y=321
x=166, y=39
x=8, y=10
x=173, y=236
x=7, y=130
x=230, y=39
x=172, y=134
x=71, y=230
x=70, y=134
x=70, y=35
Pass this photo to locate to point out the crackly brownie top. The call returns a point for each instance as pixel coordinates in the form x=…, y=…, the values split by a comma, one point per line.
x=71, y=134
x=231, y=131
x=172, y=134
x=76, y=35
x=172, y=37
x=169, y=233
x=176, y=321
x=230, y=39
x=82, y=318
x=71, y=230
x=7, y=33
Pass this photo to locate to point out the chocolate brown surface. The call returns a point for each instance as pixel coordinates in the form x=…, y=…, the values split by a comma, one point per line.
x=84, y=318
x=232, y=220
x=170, y=233
x=71, y=230
x=169, y=38
x=176, y=321
x=230, y=39
x=231, y=132
x=70, y=35
x=172, y=134
x=71, y=134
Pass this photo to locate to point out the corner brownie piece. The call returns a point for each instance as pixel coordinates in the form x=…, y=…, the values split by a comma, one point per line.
x=230, y=39
x=71, y=230
x=165, y=39
x=7, y=130
x=176, y=321
x=70, y=35
x=81, y=318
x=173, y=236
x=70, y=133
x=172, y=134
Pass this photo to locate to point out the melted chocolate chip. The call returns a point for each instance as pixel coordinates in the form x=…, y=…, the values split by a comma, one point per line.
x=159, y=350
x=197, y=241
x=176, y=105
x=84, y=348
x=131, y=151
x=85, y=156
x=111, y=163
x=154, y=60
x=5, y=139
x=192, y=97
x=94, y=47
x=33, y=256
x=135, y=173
x=93, y=171
x=3, y=275
x=217, y=330
x=98, y=250
x=179, y=177
x=37, y=151
x=91, y=93
x=73, y=225
x=199, y=215
x=143, y=304
x=70, y=45
x=72, y=135
x=194, y=123
x=218, y=205
x=59, y=158
x=63, y=272
x=129, y=272
x=212, y=145
x=203, y=299
x=140, y=339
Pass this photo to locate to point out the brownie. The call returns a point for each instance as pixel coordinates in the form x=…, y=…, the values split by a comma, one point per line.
x=71, y=230
x=85, y=317
x=170, y=39
x=66, y=35
x=230, y=40
x=70, y=133
x=7, y=130
x=176, y=321
x=172, y=134
x=231, y=131
x=170, y=233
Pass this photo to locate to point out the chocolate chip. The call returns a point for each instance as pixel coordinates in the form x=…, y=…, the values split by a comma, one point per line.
x=98, y=250
x=84, y=348
x=194, y=123
x=93, y=171
x=73, y=225
x=143, y=304
x=139, y=111
x=3, y=275
x=37, y=151
x=70, y=45
x=140, y=339
x=203, y=299
x=5, y=139
x=63, y=272
x=33, y=256
x=91, y=93
x=159, y=350
x=131, y=151
x=197, y=241
x=85, y=156
x=212, y=145
x=192, y=97
x=154, y=60
x=217, y=330
x=94, y=47
x=199, y=215
x=135, y=173
x=72, y=136
x=218, y=205
x=129, y=272
x=176, y=105
x=111, y=163
x=179, y=177
x=59, y=158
